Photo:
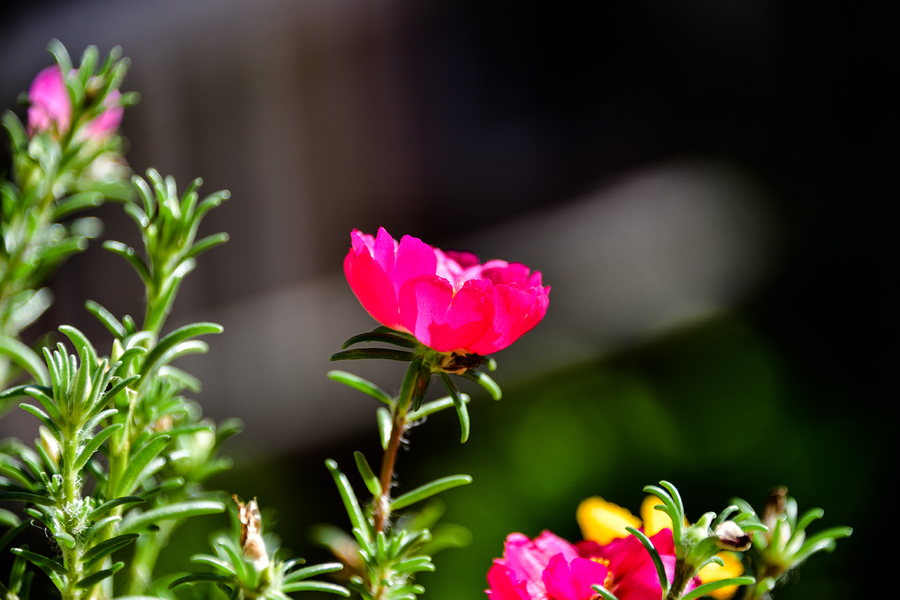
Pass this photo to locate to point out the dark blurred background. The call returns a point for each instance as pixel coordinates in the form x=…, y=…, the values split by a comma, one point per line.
x=704, y=184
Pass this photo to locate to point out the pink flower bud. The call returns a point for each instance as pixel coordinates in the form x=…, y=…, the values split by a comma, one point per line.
x=448, y=301
x=50, y=105
x=51, y=108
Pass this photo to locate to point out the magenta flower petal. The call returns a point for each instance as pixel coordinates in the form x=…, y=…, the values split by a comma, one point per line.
x=520, y=573
x=463, y=258
x=503, y=584
x=414, y=258
x=441, y=319
x=500, y=271
x=384, y=250
x=108, y=121
x=572, y=579
x=516, y=312
x=373, y=288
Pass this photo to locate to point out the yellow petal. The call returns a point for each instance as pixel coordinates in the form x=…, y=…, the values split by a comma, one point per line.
x=654, y=520
x=713, y=572
x=603, y=521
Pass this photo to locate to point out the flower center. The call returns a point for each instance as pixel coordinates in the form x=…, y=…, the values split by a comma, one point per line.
x=608, y=580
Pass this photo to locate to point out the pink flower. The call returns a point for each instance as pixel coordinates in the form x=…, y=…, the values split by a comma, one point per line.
x=447, y=300
x=634, y=575
x=547, y=568
x=51, y=107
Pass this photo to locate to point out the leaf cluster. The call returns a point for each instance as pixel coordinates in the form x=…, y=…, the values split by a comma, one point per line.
x=85, y=418
x=168, y=225
x=784, y=544
x=385, y=561
x=240, y=577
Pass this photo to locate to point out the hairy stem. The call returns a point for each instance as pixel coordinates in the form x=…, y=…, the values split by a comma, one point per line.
x=389, y=459
x=71, y=500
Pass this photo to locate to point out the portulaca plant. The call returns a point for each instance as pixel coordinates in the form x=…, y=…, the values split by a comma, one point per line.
x=122, y=455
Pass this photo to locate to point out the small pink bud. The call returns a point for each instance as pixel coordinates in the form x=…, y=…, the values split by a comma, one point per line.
x=51, y=108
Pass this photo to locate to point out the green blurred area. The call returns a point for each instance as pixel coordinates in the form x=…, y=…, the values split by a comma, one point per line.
x=714, y=408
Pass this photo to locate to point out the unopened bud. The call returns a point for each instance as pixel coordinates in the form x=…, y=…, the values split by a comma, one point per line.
x=729, y=536
x=252, y=545
x=776, y=506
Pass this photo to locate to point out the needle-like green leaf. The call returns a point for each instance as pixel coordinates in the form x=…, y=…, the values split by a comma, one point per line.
x=430, y=489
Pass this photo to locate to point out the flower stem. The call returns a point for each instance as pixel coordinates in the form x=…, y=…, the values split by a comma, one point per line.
x=414, y=383
x=683, y=574
x=389, y=459
x=70, y=500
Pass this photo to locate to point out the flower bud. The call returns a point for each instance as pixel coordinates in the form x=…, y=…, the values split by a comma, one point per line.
x=776, y=507
x=731, y=537
x=252, y=545
x=51, y=108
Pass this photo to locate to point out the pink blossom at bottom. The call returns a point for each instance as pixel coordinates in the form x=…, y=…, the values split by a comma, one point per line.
x=550, y=568
x=546, y=568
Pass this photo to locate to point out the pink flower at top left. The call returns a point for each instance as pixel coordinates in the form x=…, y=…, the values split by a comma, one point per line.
x=51, y=108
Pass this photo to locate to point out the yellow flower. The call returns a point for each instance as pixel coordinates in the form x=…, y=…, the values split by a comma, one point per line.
x=603, y=522
x=713, y=572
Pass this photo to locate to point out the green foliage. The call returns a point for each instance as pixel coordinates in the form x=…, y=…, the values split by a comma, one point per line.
x=169, y=227
x=783, y=545
x=82, y=414
x=695, y=545
x=386, y=556
x=241, y=570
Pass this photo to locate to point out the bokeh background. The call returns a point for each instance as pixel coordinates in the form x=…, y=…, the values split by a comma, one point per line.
x=705, y=185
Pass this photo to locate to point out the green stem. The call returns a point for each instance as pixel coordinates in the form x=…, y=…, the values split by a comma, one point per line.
x=156, y=313
x=683, y=573
x=71, y=498
x=412, y=382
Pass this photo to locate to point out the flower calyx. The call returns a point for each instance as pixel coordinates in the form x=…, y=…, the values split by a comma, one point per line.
x=458, y=363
